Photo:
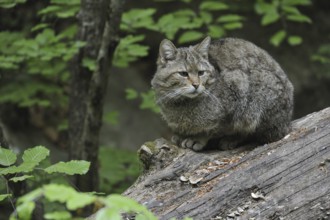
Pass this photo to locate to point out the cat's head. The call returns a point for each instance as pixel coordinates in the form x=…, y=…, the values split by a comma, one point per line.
x=183, y=72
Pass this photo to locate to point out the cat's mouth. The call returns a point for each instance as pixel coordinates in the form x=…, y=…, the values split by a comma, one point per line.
x=192, y=93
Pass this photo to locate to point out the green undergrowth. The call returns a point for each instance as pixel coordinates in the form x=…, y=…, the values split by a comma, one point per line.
x=60, y=199
x=119, y=168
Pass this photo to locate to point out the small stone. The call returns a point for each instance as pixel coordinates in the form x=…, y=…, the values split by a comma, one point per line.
x=146, y=149
x=286, y=137
x=231, y=215
x=220, y=163
x=240, y=210
x=257, y=195
x=236, y=213
x=212, y=168
x=165, y=147
x=195, y=179
x=183, y=179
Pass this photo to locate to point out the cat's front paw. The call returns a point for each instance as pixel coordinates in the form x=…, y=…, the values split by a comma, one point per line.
x=196, y=145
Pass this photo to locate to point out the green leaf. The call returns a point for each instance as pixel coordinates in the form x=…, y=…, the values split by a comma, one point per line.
x=216, y=31
x=131, y=94
x=190, y=36
x=277, y=38
x=108, y=213
x=148, y=101
x=291, y=10
x=35, y=155
x=296, y=2
x=90, y=64
x=123, y=166
x=138, y=18
x=320, y=58
x=58, y=193
x=185, y=12
x=7, y=157
x=262, y=7
x=213, y=6
x=25, y=167
x=299, y=18
x=233, y=25
x=58, y=215
x=294, y=40
x=31, y=196
x=50, y=9
x=79, y=200
x=10, y=3
x=129, y=50
x=229, y=18
x=66, y=194
x=61, y=10
x=25, y=210
x=119, y=202
x=70, y=168
x=39, y=27
x=111, y=117
x=206, y=17
x=171, y=23
x=20, y=178
x=270, y=18
x=324, y=49
x=4, y=196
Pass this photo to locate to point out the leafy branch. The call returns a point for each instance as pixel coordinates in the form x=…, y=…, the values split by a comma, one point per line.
x=31, y=158
x=284, y=11
x=111, y=206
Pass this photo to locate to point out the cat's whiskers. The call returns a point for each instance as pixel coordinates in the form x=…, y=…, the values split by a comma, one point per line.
x=212, y=96
x=169, y=96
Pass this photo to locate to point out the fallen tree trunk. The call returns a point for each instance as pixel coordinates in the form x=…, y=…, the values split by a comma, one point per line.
x=287, y=179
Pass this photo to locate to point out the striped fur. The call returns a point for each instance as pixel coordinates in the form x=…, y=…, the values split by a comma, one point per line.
x=228, y=89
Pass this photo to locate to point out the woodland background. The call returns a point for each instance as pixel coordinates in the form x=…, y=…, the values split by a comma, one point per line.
x=40, y=42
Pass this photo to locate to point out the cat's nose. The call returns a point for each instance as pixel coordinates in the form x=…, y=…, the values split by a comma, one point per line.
x=195, y=85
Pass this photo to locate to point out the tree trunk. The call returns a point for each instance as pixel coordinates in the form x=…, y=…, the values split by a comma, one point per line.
x=287, y=179
x=98, y=26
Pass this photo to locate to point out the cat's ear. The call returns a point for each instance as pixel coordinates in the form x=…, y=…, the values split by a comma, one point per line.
x=167, y=51
x=203, y=47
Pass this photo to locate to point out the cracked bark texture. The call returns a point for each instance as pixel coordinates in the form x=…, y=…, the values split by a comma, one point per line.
x=98, y=26
x=287, y=179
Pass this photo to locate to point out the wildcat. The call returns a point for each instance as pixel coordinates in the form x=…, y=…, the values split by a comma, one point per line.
x=228, y=89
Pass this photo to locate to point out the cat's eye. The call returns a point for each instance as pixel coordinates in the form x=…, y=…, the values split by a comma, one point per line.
x=183, y=73
x=201, y=73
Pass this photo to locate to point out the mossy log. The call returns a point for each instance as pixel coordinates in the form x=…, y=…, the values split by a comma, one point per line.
x=287, y=179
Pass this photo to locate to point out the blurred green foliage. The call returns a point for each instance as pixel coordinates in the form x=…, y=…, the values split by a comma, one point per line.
x=283, y=11
x=118, y=169
x=34, y=63
x=323, y=54
x=59, y=200
x=146, y=98
x=32, y=160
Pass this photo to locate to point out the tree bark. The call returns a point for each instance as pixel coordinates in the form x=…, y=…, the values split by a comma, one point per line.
x=98, y=26
x=287, y=179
